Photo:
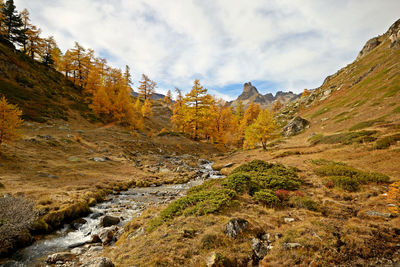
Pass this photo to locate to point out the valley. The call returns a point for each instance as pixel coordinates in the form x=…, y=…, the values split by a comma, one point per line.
x=95, y=174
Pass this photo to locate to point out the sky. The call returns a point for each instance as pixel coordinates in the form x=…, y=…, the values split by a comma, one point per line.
x=285, y=45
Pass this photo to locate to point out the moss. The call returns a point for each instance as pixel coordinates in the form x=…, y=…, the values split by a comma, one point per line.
x=267, y=197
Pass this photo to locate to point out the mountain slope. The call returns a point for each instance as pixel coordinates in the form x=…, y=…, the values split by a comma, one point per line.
x=366, y=90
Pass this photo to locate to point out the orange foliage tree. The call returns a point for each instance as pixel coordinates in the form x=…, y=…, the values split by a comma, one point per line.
x=261, y=131
x=10, y=121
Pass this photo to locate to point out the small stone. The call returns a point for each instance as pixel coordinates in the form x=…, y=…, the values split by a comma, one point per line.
x=228, y=165
x=288, y=220
x=61, y=256
x=260, y=248
x=96, y=249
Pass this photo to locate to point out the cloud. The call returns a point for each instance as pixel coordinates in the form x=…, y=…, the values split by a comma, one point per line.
x=290, y=45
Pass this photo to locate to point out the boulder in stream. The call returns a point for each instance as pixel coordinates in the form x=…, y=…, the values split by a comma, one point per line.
x=108, y=220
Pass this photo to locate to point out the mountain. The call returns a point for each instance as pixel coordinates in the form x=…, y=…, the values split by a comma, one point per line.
x=251, y=94
x=155, y=96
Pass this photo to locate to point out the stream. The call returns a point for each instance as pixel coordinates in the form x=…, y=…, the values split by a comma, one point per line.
x=125, y=205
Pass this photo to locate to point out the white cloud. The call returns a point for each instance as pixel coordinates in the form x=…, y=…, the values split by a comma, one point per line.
x=295, y=44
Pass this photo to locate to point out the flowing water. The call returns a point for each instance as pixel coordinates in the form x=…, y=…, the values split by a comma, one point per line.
x=126, y=205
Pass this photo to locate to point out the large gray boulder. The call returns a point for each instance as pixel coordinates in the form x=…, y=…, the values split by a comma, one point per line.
x=295, y=126
x=235, y=226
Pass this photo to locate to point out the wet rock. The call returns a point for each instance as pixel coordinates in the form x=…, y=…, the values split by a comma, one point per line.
x=260, y=248
x=61, y=256
x=76, y=224
x=78, y=251
x=96, y=215
x=295, y=126
x=96, y=249
x=99, y=262
x=76, y=245
x=235, y=226
x=107, y=221
x=95, y=239
x=291, y=245
x=109, y=235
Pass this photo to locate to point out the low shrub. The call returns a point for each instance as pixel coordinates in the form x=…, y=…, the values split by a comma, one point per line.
x=387, y=141
x=344, y=138
x=240, y=182
x=282, y=194
x=346, y=183
x=267, y=197
x=269, y=175
x=304, y=203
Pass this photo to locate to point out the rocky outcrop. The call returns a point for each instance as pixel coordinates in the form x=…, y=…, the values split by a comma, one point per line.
x=251, y=94
x=235, y=226
x=369, y=46
x=394, y=34
x=295, y=126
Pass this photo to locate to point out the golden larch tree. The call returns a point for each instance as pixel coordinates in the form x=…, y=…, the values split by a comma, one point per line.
x=10, y=121
x=147, y=87
x=146, y=109
x=261, y=131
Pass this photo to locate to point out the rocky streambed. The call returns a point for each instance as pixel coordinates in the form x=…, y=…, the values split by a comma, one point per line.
x=81, y=242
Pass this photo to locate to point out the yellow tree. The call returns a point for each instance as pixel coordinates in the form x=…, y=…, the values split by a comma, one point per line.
x=9, y=121
x=221, y=122
x=197, y=110
x=26, y=26
x=177, y=117
x=249, y=117
x=261, y=131
x=3, y=30
x=79, y=62
x=146, y=109
x=34, y=43
x=101, y=104
x=239, y=110
x=305, y=93
x=146, y=88
x=168, y=97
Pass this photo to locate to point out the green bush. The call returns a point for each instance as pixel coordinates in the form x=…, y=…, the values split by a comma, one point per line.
x=304, y=203
x=387, y=141
x=269, y=175
x=345, y=183
x=240, y=182
x=361, y=176
x=343, y=138
x=267, y=197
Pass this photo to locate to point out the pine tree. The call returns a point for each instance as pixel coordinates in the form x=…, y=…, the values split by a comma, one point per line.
x=13, y=23
x=9, y=121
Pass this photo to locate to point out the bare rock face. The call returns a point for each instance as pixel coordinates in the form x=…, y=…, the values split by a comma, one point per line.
x=394, y=34
x=369, y=46
x=235, y=226
x=295, y=126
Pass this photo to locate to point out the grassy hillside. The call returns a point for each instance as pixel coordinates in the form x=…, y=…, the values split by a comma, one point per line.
x=41, y=92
